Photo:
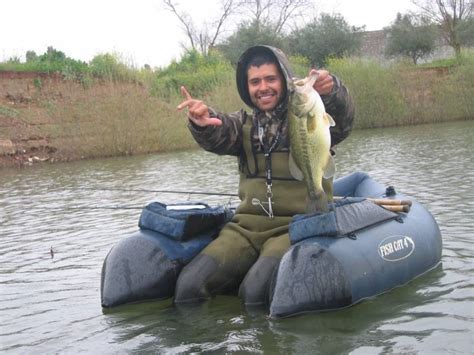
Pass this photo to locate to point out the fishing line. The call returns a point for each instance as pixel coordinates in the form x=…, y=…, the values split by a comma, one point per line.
x=158, y=191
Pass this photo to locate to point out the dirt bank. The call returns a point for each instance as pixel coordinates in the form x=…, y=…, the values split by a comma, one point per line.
x=44, y=118
x=22, y=116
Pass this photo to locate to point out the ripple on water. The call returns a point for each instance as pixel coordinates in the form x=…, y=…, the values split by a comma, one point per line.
x=52, y=305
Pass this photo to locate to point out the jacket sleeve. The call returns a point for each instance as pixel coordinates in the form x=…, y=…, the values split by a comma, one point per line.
x=225, y=139
x=340, y=106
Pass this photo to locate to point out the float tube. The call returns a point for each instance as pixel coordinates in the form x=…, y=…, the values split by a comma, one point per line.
x=146, y=264
x=355, y=251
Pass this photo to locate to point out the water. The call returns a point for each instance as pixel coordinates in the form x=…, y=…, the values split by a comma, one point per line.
x=52, y=305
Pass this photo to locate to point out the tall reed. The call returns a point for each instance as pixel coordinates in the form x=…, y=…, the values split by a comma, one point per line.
x=402, y=94
x=375, y=91
x=117, y=119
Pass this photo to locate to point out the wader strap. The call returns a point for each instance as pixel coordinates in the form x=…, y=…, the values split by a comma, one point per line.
x=268, y=149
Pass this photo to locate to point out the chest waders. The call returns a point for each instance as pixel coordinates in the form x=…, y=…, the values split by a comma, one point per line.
x=251, y=245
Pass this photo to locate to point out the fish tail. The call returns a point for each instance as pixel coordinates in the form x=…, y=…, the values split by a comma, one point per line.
x=317, y=203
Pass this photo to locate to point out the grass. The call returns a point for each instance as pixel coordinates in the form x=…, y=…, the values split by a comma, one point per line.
x=111, y=119
x=9, y=112
x=401, y=94
x=466, y=58
x=374, y=89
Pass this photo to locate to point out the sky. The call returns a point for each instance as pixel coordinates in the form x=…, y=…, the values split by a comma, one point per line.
x=139, y=31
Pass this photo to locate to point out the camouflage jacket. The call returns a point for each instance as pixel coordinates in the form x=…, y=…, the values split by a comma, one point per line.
x=227, y=139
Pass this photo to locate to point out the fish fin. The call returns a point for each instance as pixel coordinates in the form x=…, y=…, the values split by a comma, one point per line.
x=330, y=120
x=311, y=122
x=328, y=187
x=295, y=171
x=330, y=169
x=311, y=79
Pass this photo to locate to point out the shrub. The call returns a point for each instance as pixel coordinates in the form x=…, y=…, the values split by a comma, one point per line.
x=110, y=67
x=199, y=74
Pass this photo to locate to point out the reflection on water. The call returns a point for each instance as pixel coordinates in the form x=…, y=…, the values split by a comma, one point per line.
x=51, y=304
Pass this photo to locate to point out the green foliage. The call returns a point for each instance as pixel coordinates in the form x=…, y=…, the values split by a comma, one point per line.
x=103, y=66
x=401, y=94
x=9, y=112
x=300, y=65
x=248, y=35
x=465, y=58
x=14, y=60
x=38, y=84
x=52, y=56
x=52, y=61
x=410, y=39
x=327, y=37
x=31, y=56
x=454, y=97
x=110, y=67
x=199, y=74
x=465, y=31
x=375, y=90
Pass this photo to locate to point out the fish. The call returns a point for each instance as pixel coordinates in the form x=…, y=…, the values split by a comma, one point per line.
x=310, y=143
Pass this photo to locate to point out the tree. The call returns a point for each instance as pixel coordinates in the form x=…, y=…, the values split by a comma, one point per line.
x=328, y=36
x=466, y=32
x=247, y=35
x=52, y=55
x=206, y=37
x=449, y=15
x=408, y=38
x=31, y=56
x=277, y=14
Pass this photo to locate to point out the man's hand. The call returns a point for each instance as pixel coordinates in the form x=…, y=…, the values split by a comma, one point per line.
x=324, y=84
x=198, y=112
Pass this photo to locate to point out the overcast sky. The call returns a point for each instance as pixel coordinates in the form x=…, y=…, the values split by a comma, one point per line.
x=141, y=31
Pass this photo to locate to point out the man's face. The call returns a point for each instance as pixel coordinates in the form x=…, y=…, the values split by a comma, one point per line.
x=265, y=86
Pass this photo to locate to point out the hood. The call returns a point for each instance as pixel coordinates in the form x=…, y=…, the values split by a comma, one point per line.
x=241, y=73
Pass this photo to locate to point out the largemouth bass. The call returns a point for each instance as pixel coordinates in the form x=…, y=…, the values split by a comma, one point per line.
x=310, y=143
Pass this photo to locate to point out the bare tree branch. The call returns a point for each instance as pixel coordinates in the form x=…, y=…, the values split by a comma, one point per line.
x=275, y=13
x=447, y=14
x=290, y=9
x=228, y=8
x=186, y=22
x=207, y=36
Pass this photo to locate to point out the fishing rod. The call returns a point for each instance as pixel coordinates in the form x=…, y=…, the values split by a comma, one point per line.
x=81, y=208
x=392, y=205
x=98, y=207
x=208, y=193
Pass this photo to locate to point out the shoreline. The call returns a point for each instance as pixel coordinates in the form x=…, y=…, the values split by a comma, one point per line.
x=24, y=159
x=46, y=119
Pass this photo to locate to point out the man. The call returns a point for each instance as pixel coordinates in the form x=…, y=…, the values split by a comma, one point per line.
x=249, y=248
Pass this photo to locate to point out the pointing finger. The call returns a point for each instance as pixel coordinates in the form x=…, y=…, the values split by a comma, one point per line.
x=185, y=93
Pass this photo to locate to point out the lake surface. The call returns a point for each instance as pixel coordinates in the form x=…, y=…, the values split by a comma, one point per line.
x=52, y=305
